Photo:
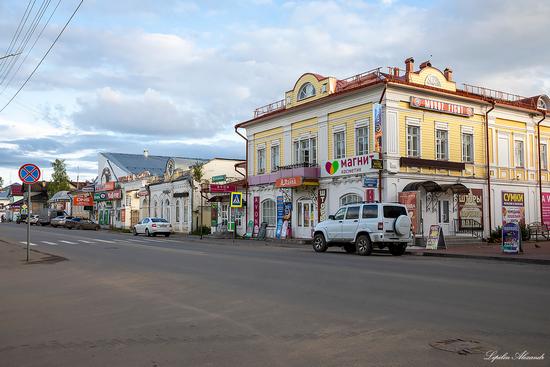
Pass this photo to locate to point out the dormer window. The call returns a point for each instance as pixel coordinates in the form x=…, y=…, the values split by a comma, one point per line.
x=432, y=81
x=307, y=90
x=541, y=104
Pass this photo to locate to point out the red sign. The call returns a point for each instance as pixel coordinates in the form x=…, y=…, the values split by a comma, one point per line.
x=83, y=200
x=256, y=215
x=470, y=209
x=123, y=215
x=107, y=186
x=29, y=173
x=222, y=188
x=409, y=199
x=369, y=195
x=444, y=107
x=546, y=207
x=289, y=181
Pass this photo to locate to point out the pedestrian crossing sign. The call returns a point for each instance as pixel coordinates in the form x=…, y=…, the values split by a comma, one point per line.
x=236, y=199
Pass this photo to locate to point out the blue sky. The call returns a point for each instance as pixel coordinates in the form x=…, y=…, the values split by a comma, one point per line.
x=175, y=76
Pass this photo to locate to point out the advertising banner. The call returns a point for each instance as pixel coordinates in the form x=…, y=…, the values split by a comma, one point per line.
x=280, y=213
x=436, y=239
x=256, y=215
x=83, y=200
x=289, y=181
x=108, y=195
x=513, y=207
x=222, y=188
x=511, y=237
x=349, y=165
x=546, y=207
x=107, y=186
x=369, y=195
x=377, y=122
x=286, y=231
x=444, y=107
x=409, y=199
x=321, y=205
x=470, y=206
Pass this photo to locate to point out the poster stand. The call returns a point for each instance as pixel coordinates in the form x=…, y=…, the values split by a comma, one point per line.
x=436, y=239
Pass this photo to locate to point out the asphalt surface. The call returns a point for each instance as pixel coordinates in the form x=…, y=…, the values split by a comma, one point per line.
x=121, y=300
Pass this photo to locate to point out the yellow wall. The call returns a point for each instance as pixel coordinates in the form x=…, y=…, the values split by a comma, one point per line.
x=420, y=78
x=348, y=117
x=291, y=97
x=265, y=138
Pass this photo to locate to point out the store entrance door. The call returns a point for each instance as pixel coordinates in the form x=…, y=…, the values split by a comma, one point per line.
x=305, y=218
x=444, y=215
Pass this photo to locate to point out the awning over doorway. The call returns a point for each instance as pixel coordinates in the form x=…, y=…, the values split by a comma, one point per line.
x=429, y=186
x=456, y=188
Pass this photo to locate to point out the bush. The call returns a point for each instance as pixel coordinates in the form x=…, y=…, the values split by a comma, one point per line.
x=496, y=235
x=525, y=234
x=205, y=230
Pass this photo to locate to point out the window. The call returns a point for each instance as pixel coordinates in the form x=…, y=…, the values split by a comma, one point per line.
x=413, y=141
x=518, y=153
x=350, y=199
x=370, y=211
x=275, y=156
x=177, y=211
x=307, y=90
x=443, y=211
x=467, y=147
x=155, y=212
x=261, y=160
x=340, y=214
x=503, y=151
x=268, y=212
x=339, y=145
x=543, y=156
x=361, y=140
x=238, y=217
x=324, y=88
x=167, y=210
x=442, y=144
x=353, y=212
x=185, y=210
x=394, y=211
x=305, y=151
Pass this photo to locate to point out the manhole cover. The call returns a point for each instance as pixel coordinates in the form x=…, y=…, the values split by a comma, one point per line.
x=461, y=346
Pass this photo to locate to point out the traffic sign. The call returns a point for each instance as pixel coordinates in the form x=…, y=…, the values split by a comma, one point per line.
x=236, y=199
x=29, y=173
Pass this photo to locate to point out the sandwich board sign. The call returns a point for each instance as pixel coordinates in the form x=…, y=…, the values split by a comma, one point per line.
x=236, y=199
x=435, y=240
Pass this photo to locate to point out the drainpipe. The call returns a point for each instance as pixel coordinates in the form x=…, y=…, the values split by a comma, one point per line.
x=245, y=179
x=381, y=157
x=540, y=164
x=488, y=165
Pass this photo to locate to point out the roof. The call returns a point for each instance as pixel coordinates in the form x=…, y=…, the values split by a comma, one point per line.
x=4, y=194
x=16, y=189
x=60, y=196
x=137, y=163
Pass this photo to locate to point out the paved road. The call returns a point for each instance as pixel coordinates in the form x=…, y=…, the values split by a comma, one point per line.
x=126, y=301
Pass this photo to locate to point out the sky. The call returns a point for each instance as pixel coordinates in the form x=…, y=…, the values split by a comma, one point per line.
x=174, y=77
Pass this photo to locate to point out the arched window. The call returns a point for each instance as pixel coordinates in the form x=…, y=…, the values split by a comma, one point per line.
x=541, y=104
x=177, y=211
x=185, y=210
x=167, y=210
x=269, y=214
x=307, y=90
x=350, y=199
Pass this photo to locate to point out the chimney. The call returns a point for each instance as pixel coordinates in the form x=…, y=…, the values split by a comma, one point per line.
x=448, y=74
x=425, y=64
x=409, y=65
x=396, y=72
x=146, y=153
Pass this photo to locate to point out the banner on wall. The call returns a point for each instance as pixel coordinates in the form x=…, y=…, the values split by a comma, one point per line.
x=470, y=206
x=280, y=213
x=321, y=204
x=377, y=122
x=410, y=200
x=546, y=207
x=286, y=231
x=256, y=215
x=513, y=207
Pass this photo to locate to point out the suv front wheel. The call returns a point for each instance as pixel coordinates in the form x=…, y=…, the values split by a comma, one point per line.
x=319, y=243
x=363, y=245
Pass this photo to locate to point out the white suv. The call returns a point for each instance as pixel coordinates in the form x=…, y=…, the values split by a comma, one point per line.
x=359, y=227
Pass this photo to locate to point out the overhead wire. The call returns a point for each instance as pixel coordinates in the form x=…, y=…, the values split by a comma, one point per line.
x=43, y=57
x=20, y=27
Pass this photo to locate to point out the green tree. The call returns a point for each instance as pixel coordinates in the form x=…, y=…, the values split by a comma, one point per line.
x=197, y=172
x=60, y=179
x=1, y=182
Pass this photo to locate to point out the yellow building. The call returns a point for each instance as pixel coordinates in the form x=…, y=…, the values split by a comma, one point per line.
x=313, y=151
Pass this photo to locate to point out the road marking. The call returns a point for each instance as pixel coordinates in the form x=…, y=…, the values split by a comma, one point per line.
x=25, y=242
x=105, y=241
x=84, y=241
x=68, y=242
x=49, y=243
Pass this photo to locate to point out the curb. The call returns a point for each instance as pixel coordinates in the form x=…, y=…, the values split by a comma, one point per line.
x=481, y=257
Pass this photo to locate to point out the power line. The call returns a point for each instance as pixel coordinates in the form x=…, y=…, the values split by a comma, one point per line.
x=22, y=23
x=46, y=54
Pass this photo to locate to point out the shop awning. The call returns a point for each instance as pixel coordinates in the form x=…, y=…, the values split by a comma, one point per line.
x=429, y=186
x=219, y=198
x=456, y=188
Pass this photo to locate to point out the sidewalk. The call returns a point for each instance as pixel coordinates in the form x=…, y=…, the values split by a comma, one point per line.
x=13, y=255
x=533, y=252
x=293, y=243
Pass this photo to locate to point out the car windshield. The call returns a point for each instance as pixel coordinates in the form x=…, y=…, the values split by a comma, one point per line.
x=157, y=220
x=394, y=211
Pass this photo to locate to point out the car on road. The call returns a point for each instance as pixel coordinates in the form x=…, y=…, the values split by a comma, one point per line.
x=35, y=219
x=59, y=221
x=152, y=226
x=359, y=227
x=81, y=223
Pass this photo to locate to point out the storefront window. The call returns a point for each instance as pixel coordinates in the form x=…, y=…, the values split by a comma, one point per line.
x=361, y=140
x=339, y=145
x=261, y=160
x=413, y=141
x=350, y=199
x=467, y=147
x=305, y=151
x=275, y=156
x=518, y=151
x=269, y=213
x=442, y=144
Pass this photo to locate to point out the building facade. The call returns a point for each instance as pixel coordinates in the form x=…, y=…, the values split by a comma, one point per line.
x=465, y=158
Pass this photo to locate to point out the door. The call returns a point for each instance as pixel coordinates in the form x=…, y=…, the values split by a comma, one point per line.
x=224, y=216
x=350, y=223
x=444, y=215
x=305, y=219
x=334, y=226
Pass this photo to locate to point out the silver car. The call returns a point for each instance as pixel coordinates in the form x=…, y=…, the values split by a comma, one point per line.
x=153, y=226
x=60, y=220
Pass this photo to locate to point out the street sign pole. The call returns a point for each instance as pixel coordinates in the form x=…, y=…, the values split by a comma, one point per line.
x=28, y=221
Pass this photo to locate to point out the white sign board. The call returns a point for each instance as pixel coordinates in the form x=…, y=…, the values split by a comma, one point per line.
x=349, y=165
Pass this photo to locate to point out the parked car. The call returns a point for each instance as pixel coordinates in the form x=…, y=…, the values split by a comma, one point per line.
x=80, y=223
x=59, y=221
x=152, y=227
x=359, y=227
x=35, y=219
x=47, y=214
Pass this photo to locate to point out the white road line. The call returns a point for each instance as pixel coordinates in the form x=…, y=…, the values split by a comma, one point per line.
x=25, y=242
x=84, y=241
x=105, y=241
x=49, y=243
x=68, y=242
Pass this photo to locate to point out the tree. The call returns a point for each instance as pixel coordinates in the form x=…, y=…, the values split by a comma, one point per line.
x=1, y=182
x=197, y=172
x=60, y=179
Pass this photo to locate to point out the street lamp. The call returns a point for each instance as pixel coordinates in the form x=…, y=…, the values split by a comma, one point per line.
x=204, y=189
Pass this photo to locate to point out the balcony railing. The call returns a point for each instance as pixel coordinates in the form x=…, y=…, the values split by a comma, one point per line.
x=295, y=165
x=491, y=93
x=272, y=107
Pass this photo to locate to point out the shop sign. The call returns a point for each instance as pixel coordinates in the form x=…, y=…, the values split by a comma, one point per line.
x=280, y=213
x=289, y=181
x=108, y=195
x=222, y=188
x=321, y=205
x=511, y=238
x=219, y=178
x=107, y=186
x=88, y=189
x=443, y=107
x=83, y=200
x=256, y=215
x=377, y=121
x=349, y=166
x=286, y=231
x=371, y=182
x=546, y=207
x=470, y=206
x=369, y=195
x=142, y=193
x=435, y=240
x=513, y=207
x=410, y=200
x=377, y=164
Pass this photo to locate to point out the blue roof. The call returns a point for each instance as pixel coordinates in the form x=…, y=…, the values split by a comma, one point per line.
x=137, y=163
